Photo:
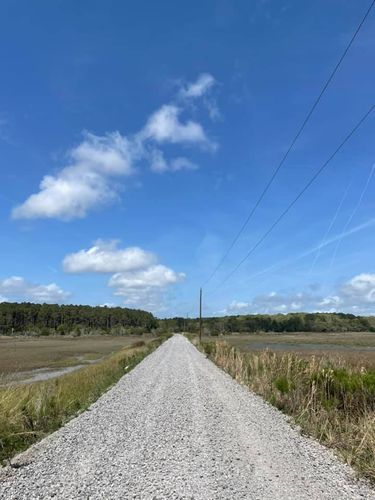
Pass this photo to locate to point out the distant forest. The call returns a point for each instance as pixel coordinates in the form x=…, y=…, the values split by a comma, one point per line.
x=293, y=322
x=46, y=319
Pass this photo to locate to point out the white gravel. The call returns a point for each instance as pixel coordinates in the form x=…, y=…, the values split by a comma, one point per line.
x=177, y=427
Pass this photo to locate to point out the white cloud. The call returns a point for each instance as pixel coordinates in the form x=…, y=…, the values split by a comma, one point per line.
x=202, y=89
x=182, y=163
x=112, y=154
x=145, y=288
x=157, y=276
x=88, y=181
x=137, y=275
x=360, y=289
x=213, y=110
x=18, y=288
x=198, y=88
x=329, y=302
x=236, y=307
x=295, y=306
x=356, y=296
x=270, y=303
x=105, y=257
x=165, y=126
x=85, y=183
x=280, y=303
x=160, y=165
x=157, y=161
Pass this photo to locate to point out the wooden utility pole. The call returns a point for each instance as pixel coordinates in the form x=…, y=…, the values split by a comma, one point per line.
x=200, y=315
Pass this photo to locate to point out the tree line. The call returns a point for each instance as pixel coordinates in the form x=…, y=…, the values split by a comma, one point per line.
x=48, y=319
x=292, y=322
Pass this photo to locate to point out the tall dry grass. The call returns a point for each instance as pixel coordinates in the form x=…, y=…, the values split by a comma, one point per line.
x=30, y=412
x=335, y=403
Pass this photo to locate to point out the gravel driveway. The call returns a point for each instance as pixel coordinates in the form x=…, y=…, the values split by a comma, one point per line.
x=178, y=427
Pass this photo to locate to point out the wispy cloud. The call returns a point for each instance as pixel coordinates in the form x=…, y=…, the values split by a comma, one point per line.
x=160, y=165
x=353, y=213
x=329, y=229
x=200, y=87
x=314, y=249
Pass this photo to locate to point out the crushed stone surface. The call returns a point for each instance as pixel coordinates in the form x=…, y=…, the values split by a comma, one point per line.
x=177, y=427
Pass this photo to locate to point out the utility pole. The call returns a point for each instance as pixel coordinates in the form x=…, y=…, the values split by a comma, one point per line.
x=200, y=315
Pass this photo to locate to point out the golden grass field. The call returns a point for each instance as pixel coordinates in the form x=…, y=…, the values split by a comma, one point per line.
x=353, y=347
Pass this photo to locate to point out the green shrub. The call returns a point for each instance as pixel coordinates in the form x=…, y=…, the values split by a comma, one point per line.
x=282, y=384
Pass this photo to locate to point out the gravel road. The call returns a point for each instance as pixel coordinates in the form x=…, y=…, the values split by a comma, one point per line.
x=177, y=427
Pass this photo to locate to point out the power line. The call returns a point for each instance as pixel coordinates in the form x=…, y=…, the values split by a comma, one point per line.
x=300, y=194
x=299, y=132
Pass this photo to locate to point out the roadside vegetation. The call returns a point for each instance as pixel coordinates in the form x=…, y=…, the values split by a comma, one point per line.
x=333, y=402
x=30, y=412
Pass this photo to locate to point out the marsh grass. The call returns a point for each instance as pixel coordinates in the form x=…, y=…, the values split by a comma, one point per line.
x=30, y=412
x=334, y=402
x=354, y=348
x=21, y=354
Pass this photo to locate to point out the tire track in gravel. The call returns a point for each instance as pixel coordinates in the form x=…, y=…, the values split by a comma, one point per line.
x=177, y=427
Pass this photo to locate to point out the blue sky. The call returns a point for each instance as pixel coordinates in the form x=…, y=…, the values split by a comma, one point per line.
x=135, y=138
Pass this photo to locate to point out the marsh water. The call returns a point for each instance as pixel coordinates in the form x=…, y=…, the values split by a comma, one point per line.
x=40, y=374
